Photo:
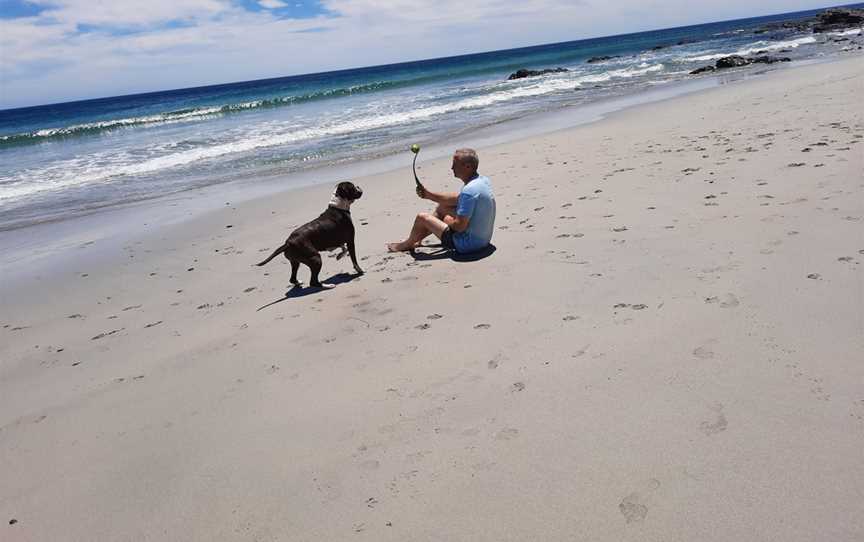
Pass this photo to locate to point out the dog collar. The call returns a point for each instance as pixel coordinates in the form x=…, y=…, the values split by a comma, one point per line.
x=340, y=203
x=346, y=211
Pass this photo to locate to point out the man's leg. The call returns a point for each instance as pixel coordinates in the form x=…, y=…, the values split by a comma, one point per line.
x=424, y=225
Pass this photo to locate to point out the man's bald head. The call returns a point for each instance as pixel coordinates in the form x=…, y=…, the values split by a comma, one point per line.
x=468, y=158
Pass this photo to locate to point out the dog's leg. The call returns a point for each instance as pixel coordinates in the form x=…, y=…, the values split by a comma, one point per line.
x=314, y=263
x=352, y=250
x=295, y=266
x=342, y=251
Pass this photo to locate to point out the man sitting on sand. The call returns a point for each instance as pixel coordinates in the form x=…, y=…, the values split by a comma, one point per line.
x=463, y=222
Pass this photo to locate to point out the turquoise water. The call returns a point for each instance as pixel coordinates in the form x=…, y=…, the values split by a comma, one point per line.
x=61, y=160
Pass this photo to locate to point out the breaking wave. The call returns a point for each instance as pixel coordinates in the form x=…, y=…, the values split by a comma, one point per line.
x=754, y=48
x=184, y=115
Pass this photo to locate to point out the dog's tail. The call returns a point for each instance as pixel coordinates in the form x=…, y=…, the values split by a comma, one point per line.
x=276, y=252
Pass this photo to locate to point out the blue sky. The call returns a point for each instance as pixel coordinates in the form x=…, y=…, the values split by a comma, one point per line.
x=60, y=50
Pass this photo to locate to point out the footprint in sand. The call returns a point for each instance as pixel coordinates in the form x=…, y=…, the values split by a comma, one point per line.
x=632, y=510
x=482, y=326
x=632, y=507
x=106, y=334
x=508, y=433
x=719, y=423
x=728, y=301
x=703, y=352
x=517, y=387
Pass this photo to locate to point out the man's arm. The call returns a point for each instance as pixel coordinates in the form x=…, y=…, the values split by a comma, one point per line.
x=458, y=224
x=447, y=199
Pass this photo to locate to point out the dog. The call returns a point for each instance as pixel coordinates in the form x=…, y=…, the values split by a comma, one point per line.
x=332, y=230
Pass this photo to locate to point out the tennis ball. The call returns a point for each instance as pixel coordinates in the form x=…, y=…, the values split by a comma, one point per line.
x=415, y=148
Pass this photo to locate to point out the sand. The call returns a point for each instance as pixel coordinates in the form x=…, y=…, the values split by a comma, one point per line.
x=666, y=344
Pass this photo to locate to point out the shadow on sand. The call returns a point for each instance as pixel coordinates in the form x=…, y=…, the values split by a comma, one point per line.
x=441, y=253
x=300, y=291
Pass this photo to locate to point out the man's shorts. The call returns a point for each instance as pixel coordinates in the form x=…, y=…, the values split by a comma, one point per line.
x=447, y=239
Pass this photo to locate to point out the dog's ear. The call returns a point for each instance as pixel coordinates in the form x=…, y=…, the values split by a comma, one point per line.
x=347, y=190
x=343, y=190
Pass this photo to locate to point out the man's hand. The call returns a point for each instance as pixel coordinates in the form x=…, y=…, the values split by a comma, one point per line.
x=457, y=223
x=421, y=191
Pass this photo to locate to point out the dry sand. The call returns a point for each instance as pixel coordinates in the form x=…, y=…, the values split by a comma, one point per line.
x=666, y=345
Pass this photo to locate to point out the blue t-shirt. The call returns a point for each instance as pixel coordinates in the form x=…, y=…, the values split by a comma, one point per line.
x=478, y=204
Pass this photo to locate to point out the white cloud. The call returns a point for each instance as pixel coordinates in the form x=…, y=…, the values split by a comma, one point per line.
x=131, y=12
x=272, y=4
x=44, y=58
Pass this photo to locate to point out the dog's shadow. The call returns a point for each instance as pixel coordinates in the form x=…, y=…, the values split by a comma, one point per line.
x=301, y=291
x=441, y=253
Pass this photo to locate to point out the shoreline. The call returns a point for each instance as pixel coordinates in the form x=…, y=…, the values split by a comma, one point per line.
x=664, y=346
x=22, y=246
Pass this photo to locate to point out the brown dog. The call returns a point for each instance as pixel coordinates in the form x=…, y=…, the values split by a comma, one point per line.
x=333, y=229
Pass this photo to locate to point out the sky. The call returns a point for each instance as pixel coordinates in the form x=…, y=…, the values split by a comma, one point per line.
x=62, y=50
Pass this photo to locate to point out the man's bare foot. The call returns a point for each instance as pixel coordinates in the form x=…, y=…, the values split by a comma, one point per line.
x=404, y=246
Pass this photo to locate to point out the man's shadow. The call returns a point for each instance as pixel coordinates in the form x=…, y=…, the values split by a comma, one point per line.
x=441, y=253
x=301, y=291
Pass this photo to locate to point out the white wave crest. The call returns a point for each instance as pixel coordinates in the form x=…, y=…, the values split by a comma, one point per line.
x=753, y=48
x=96, y=169
x=853, y=32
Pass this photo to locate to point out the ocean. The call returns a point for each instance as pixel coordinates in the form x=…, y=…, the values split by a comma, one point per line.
x=62, y=160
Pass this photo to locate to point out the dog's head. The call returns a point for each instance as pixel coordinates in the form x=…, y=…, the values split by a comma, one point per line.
x=348, y=191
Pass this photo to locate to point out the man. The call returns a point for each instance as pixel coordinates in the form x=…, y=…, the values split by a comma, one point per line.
x=463, y=222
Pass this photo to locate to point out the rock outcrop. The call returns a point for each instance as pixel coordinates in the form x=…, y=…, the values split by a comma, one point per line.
x=736, y=61
x=595, y=59
x=830, y=20
x=838, y=19
x=521, y=74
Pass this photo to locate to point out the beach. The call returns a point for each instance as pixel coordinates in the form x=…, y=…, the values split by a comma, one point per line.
x=665, y=344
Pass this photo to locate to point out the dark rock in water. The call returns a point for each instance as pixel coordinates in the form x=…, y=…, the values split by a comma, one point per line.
x=594, y=59
x=521, y=74
x=768, y=59
x=733, y=61
x=842, y=16
x=827, y=21
x=658, y=47
x=685, y=41
x=703, y=69
x=736, y=61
